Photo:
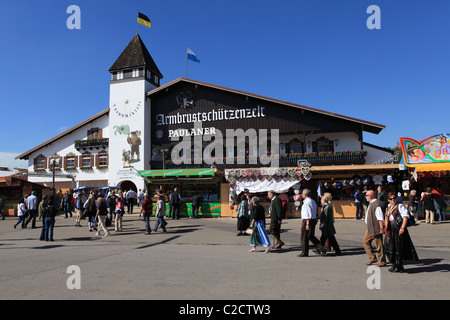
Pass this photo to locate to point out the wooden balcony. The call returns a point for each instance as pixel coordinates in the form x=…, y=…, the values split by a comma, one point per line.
x=285, y=160
x=92, y=144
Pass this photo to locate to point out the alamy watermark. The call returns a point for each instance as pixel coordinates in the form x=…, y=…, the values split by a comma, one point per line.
x=234, y=139
x=74, y=280
x=74, y=20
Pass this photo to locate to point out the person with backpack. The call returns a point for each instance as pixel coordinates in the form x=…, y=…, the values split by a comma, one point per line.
x=277, y=213
x=102, y=213
x=90, y=207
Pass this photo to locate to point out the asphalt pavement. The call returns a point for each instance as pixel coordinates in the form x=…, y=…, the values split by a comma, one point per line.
x=204, y=259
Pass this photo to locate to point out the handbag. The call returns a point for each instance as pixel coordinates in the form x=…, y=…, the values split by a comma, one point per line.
x=107, y=222
x=249, y=231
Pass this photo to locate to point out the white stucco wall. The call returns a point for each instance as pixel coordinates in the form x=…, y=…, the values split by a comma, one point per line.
x=65, y=145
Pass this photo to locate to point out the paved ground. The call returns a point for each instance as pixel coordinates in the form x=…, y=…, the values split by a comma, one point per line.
x=203, y=259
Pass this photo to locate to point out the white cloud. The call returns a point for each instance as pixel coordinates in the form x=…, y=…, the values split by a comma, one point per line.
x=7, y=160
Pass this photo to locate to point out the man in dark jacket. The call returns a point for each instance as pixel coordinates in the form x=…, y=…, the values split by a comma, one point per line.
x=175, y=202
x=196, y=201
x=276, y=215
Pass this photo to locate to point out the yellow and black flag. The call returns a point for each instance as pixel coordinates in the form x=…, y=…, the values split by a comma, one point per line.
x=143, y=19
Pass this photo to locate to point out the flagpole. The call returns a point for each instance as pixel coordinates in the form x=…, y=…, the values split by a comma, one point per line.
x=186, y=62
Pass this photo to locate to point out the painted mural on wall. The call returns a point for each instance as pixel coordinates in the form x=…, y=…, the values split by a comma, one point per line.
x=435, y=149
x=131, y=154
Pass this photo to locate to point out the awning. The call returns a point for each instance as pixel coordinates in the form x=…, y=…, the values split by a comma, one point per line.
x=202, y=172
x=431, y=166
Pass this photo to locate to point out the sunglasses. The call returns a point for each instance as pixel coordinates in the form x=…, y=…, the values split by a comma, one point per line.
x=391, y=199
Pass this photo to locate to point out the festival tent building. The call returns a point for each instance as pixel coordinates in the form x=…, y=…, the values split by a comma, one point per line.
x=155, y=136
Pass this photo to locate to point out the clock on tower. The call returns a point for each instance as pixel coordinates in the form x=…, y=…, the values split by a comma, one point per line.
x=132, y=75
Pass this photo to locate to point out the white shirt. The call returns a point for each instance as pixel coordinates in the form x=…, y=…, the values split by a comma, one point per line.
x=21, y=209
x=131, y=194
x=403, y=212
x=309, y=209
x=31, y=202
x=378, y=212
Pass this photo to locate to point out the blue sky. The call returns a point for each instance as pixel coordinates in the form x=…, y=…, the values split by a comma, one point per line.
x=315, y=53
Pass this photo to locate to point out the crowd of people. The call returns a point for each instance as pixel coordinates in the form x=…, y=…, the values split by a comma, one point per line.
x=387, y=221
x=432, y=200
x=100, y=209
x=386, y=217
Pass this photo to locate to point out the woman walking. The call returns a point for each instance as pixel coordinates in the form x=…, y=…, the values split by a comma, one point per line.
x=398, y=244
x=259, y=236
x=21, y=213
x=327, y=226
x=119, y=215
x=242, y=216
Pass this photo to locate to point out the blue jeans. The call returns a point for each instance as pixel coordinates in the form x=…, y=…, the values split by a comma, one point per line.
x=21, y=220
x=441, y=214
x=160, y=222
x=32, y=217
x=49, y=223
x=112, y=210
x=66, y=207
x=359, y=210
x=148, y=229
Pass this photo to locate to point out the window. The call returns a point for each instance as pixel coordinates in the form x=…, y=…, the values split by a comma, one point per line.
x=323, y=145
x=103, y=160
x=295, y=146
x=70, y=163
x=86, y=163
x=135, y=73
x=56, y=162
x=40, y=164
x=94, y=134
x=119, y=75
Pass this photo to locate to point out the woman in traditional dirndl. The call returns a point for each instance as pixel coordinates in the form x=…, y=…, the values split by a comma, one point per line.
x=259, y=236
x=242, y=216
x=398, y=245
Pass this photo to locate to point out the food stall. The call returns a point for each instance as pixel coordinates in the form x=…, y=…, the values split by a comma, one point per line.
x=428, y=164
x=205, y=182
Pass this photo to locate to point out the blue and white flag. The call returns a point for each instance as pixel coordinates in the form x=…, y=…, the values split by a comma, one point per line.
x=191, y=55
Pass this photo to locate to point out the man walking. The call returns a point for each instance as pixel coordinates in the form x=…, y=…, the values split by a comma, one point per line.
x=146, y=211
x=309, y=221
x=66, y=204
x=175, y=202
x=32, y=208
x=375, y=230
x=131, y=196
x=276, y=215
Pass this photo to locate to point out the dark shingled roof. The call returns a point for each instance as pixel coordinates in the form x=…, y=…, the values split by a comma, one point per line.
x=135, y=55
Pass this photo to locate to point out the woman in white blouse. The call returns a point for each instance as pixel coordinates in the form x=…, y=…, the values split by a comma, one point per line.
x=398, y=244
x=21, y=213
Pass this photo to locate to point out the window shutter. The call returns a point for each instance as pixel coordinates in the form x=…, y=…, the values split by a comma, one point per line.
x=331, y=145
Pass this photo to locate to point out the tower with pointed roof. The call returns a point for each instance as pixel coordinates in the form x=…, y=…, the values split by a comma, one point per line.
x=133, y=74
